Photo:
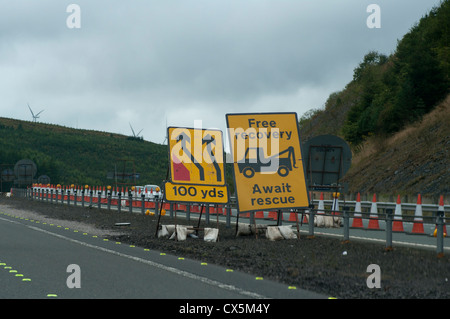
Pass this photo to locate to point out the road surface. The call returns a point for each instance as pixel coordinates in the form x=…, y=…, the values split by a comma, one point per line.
x=41, y=260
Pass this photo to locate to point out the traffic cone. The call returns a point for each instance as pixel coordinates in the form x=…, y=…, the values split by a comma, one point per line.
x=357, y=217
x=397, y=225
x=441, y=209
x=373, y=217
x=320, y=218
x=418, y=220
x=273, y=215
x=259, y=214
x=293, y=216
x=306, y=217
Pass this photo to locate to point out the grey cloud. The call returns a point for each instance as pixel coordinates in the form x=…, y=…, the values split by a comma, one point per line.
x=183, y=60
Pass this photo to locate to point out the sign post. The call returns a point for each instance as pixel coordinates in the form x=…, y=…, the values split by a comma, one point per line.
x=267, y=161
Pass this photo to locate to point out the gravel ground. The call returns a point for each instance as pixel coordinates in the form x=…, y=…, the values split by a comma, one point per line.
x=320, y=264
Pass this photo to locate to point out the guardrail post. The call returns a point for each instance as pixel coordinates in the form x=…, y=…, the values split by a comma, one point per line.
x=440, y=233
x=91, y=194
x=389, y=213
x=68, y=197
x=130, y=201
x=109, y=200
x=99, y=200
x=119, y=202
x=346, y=224
x=228, y=217
x=142, y=203
x=82, y=197
x=311, y=221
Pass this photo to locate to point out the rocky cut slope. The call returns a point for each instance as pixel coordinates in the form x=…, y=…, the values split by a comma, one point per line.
x=414, y=160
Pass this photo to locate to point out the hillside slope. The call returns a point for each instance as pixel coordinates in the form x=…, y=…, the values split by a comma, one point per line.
x=414, y=160
x=74, y=156
x=395, y=115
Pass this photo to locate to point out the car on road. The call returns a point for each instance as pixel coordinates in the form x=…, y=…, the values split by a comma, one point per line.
x=152, y=191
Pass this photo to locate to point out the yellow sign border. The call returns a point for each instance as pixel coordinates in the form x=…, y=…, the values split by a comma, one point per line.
x=304, y=200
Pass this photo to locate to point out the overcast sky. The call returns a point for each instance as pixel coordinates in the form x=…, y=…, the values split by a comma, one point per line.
x=148, y=62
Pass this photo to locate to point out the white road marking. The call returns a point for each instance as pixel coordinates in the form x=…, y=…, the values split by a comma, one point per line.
x=151, y=263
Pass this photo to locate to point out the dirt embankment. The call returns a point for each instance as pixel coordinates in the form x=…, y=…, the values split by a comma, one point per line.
x=415, y=160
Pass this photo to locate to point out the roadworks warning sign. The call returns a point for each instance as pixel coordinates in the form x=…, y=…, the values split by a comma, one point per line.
x=196, y=156
x=267, y=161
x=197, y=172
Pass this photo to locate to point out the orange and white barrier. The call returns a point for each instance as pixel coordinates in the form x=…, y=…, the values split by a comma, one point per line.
x=418, y=219
x=319, y=219
x=357, y=217
x=397, y=224
x=373, y=217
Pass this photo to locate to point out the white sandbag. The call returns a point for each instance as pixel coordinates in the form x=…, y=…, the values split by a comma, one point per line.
x=260, y=228
x=337, y=221
x=319, y=220
x=286, y=232
x=166, y=231
x=247, y=229
x=211, y=234
x=328, y=221
x=273, y=233
x=243, y=230
x=182, y=232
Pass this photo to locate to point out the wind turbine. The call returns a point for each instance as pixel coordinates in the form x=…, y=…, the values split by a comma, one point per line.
x=165, y=139
x=35, y=117
x=135, y=135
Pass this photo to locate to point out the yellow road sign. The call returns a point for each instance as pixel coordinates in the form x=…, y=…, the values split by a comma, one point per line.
x=196, y=156
x=267, y=161
x=195, y=193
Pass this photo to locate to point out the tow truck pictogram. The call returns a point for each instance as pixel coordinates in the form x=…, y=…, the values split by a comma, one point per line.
x=248, y=167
